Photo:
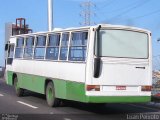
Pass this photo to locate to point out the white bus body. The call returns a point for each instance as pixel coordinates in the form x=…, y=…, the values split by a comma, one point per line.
x=120, y=55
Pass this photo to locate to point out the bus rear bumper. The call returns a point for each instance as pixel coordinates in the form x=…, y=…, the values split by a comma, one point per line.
x=118, y=99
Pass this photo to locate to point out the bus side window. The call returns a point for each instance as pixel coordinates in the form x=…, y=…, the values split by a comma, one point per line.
x=28, y=50
x=19, y=47
x=10, y=54
x=64, y=46
x=53, y=47
x=40, y=47
x=78, y=46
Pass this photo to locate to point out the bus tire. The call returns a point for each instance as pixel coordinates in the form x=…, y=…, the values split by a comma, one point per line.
x=52, y=101
x=19, y=91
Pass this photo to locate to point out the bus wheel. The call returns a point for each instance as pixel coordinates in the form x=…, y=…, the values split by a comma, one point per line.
x=19, y=91
x=50, y=96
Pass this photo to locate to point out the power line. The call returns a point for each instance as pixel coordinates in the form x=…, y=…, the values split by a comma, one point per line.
x=108, y=3
x=145, y=15
x=109, y=12
x=122, y=8
x=148, y=14
x=104, y=5
x=130, y=9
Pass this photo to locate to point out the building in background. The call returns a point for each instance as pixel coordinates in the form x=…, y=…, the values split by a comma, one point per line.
x=20, y=27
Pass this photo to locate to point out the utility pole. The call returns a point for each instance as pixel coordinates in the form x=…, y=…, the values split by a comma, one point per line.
x=50, y=15
x=87, y=13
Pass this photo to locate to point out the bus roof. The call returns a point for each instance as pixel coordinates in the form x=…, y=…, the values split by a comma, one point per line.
x=85, y=28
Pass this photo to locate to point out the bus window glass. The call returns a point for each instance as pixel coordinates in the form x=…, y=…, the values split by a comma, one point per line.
x=19, y=47
x=39, y=53
x=64, y=46
x=11, y=51
x=63, y=54
x=40, y=47
x=19, y=53
x=79, y=39
x=65, y=39
x=41, y=41
x=53, y=47
x=28, y=50
x=77, y=54
x=20, y=42
x=54, y=40
x=78, y=46
x=52, y=53
x=29, y=41
x=123, y=43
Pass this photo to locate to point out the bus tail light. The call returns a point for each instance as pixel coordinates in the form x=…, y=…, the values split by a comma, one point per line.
x=146, y=88
x=93, y=87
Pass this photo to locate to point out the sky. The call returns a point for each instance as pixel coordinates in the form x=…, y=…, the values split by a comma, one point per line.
x=68, y=13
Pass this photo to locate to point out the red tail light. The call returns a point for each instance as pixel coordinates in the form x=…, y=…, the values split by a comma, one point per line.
x=93, y=87
x=146, y=88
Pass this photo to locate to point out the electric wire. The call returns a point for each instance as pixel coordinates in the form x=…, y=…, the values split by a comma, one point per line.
x=121, y=8
x=148, y=14
x=129, y=10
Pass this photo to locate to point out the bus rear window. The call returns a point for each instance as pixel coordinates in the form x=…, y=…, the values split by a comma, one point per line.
x=123, y=44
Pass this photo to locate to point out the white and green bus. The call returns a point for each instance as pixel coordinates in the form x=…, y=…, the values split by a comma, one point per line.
x=95, y=64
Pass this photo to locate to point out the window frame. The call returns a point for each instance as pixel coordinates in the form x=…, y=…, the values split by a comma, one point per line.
x=25, y=46
x=86, y=46
x=62, y=46
x=132, y=30
x=46, y=35
x=9, y=50
x=37, y=46
x=19, y=47
x=50, y=46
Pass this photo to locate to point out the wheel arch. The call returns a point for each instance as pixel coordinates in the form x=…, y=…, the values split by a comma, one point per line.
x=46, y=82
x=13, y=77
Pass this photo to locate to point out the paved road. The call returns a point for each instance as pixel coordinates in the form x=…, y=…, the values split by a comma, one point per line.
x=34, y=106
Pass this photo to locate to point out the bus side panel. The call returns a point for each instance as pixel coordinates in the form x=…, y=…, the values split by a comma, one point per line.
x=76, y=91
x=63, y=89
x=70, y=90
x=9, y=77
x=60, y=88
x=33, y=83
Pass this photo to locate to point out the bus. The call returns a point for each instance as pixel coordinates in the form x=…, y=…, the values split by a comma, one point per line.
x=93, y=64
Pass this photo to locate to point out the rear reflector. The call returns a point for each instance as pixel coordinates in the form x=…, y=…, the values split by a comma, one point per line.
x=93, y=87
x=146, y=88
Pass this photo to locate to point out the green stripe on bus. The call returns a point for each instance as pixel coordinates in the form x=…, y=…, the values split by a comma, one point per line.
x=63, y=89
x=70, y=90
x=118, y=99
x=29, y=82
x=9, y=78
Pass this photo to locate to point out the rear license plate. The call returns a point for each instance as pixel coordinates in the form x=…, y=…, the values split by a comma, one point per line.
x=120, y=87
